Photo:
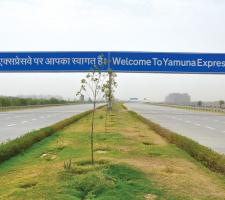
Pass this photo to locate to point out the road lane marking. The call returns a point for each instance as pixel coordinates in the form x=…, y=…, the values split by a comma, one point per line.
x=10, y=125
x=211, y=128
x=24, y=122
x=197, y=124
x=34, y=119
x=17, y=116
x=188, y=122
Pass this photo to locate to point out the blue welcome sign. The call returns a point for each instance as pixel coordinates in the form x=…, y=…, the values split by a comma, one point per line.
x=149, y=62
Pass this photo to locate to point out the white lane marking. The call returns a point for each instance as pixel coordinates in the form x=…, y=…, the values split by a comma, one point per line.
x=34, y=119
x=215, y=120
x=10, y=125
x=8, y=118
x=197, y=124
x=211, y=128
x=17, y=116
x=223, y=131
x=42, y=117
x=24, y=122
x=188, y=122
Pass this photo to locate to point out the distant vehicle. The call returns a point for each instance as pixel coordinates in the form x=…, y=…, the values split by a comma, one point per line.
x=133, y=100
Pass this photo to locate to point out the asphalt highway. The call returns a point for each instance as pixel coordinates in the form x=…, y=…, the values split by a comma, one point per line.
x=16, y=123
x=207, y=128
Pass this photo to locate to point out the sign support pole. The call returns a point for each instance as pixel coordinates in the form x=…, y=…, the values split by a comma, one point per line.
x=110, y=92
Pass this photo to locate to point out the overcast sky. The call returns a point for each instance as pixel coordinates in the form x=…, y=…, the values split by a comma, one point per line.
x=114, y=25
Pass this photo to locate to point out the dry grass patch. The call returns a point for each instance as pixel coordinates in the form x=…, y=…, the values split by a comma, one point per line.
x=181, y=176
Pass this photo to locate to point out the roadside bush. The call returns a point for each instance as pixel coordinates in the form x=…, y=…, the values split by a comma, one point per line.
x=16, y=101
x=208, y=157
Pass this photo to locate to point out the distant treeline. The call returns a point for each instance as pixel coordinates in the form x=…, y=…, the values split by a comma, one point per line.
x=16, y=101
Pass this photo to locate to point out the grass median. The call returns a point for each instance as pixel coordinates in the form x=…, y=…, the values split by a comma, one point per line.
x=131, y=162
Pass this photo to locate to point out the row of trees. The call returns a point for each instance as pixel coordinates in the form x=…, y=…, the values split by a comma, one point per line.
x=14, y=101
x=221, y=103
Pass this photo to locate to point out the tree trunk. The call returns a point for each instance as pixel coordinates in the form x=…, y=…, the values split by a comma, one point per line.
x=110, y=92
x=106, y=114
x=92, y=133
